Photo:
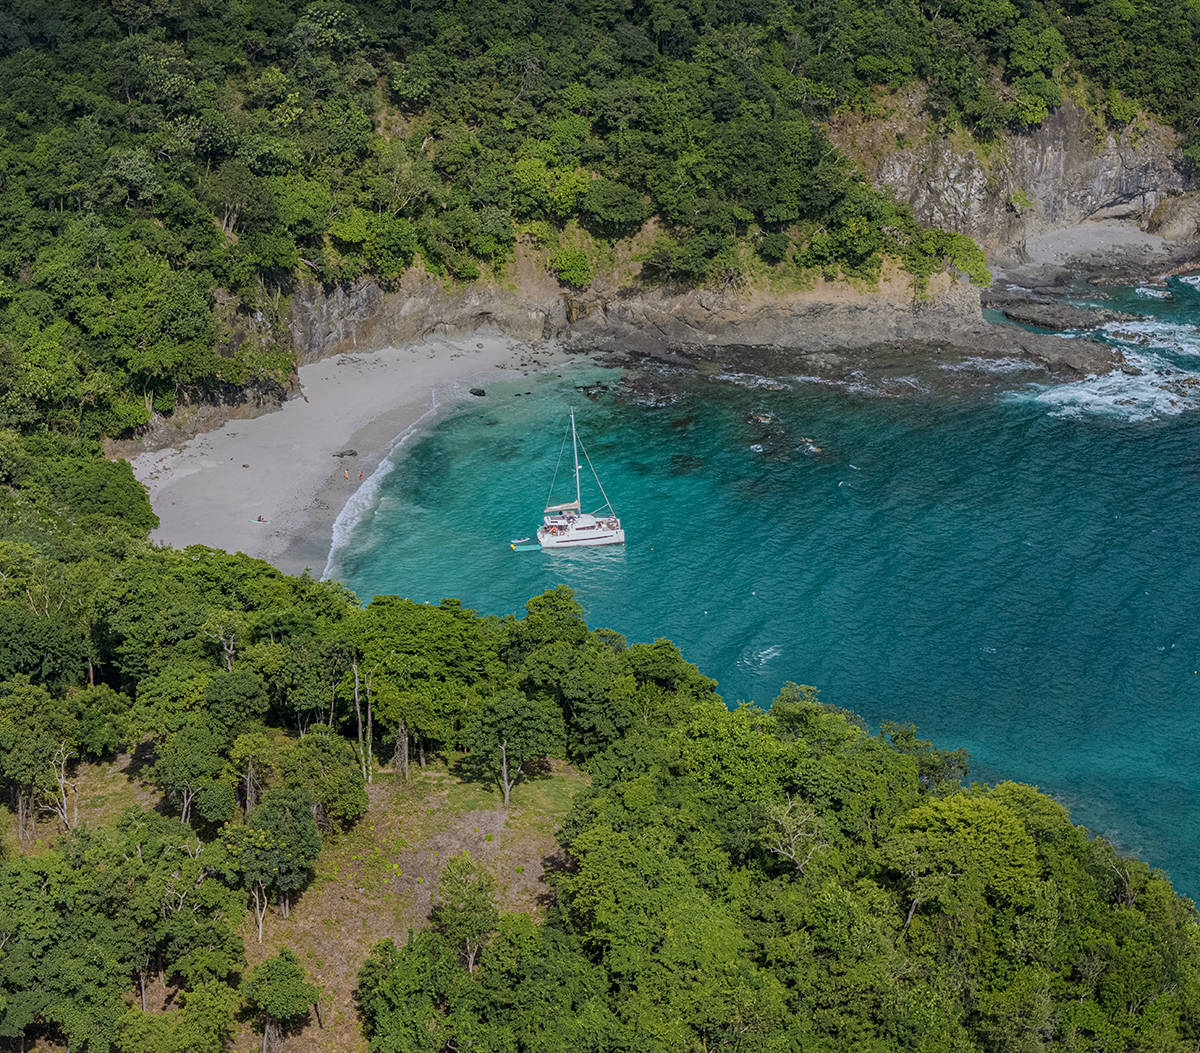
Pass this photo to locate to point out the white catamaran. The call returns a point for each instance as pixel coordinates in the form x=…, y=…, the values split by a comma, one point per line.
x=567, y=526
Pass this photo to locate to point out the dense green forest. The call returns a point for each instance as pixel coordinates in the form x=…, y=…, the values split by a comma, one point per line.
x=745, y=879
x=741, y=879
x=155, y=151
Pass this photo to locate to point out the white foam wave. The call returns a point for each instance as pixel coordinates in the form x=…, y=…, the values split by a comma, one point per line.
x=1152, y=294
x=759, y=657
x=365, y=498
x=1152, y=333
x=976, y=364
x=752, y=381
x=858, y=383
x=1190, y=279
x=1159, y=391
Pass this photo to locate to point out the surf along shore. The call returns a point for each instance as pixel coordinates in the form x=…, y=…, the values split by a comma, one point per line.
x=282, y=466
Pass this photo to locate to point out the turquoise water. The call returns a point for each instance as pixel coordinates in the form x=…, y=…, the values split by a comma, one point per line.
x=1009, y=566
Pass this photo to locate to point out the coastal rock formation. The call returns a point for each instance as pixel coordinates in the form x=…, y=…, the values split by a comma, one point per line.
x=1066, y=359
x=198, y=412
x=1056, y=316
x=792, y=331
x=365, y=316
x=1066, y=171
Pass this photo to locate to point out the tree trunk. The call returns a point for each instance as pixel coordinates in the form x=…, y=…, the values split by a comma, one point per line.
x=142, y=978
x=421, y=751
x=266, y=1031
x=401, y=754
x=185, y=813
x=370, y=757
x=504, y=772
x=362, y=757
x=259, y=893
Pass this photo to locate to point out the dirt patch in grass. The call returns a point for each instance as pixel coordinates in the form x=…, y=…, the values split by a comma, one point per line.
x=375, y=881
x=104, y=792
x=380, y=880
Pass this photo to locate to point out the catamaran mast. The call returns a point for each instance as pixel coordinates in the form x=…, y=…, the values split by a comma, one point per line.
x=575, y=448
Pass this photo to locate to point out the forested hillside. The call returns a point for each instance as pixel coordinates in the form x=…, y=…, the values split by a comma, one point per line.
x=153, y=152
x=732, y=879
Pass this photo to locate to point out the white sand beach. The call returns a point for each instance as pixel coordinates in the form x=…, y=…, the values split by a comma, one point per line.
x=212, y=489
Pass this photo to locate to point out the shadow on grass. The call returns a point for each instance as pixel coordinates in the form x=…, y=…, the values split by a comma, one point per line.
x=474, y=768
x=141, y=761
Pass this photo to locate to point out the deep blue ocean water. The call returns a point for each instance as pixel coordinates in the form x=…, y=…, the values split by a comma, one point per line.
x=1011, y=566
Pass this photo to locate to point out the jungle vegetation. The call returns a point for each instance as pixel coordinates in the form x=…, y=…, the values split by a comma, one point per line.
x=746, y=879
x=157, y=156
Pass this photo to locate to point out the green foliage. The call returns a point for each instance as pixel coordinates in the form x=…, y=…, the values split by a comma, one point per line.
x=189, y=766
x=466, y=913
x=201, y=1023
x=572, y=267
x=271, y=856
x=285, y=815
x=401, y=994
x=323, y=765
x=510, y=732
x=276, y=988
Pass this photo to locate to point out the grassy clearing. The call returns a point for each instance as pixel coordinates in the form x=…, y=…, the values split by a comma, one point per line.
x=374, y=881
x=379, y=879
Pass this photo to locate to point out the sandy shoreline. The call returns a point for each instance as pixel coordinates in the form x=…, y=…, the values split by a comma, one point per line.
x=211, y=490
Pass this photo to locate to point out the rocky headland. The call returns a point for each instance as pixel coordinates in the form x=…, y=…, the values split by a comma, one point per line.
x=1064, y=204
x=1055, y=208
x=820, y=331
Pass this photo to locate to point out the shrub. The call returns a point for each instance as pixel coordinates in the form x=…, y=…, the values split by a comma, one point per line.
x=572, y=267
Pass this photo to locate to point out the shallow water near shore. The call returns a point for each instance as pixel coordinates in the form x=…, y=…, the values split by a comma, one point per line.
x=1006, y=564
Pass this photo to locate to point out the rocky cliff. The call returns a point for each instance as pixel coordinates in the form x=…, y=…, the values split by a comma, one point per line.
x=817, y=330
x=647, y=321
x=1065, y=172
x=1015, y=190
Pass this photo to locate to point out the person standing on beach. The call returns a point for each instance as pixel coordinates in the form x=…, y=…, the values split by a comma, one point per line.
x=347, y=473
x=360, y=475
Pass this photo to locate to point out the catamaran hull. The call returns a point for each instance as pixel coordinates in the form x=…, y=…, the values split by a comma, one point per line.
x=549, y=541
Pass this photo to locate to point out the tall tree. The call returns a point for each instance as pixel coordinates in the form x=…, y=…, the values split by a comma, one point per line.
x=277, y=989
x=191, y=764
x=466, y=913
x=512, y=731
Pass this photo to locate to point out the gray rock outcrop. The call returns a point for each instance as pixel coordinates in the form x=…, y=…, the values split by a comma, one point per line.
x=1065, y=172
x=822, y=330
x=1060, y=316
